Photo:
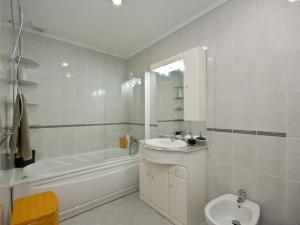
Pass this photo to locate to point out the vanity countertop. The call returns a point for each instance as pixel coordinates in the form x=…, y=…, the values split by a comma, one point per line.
x=186, y=149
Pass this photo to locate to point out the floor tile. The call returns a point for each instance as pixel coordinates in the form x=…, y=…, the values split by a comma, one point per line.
x=129, y=210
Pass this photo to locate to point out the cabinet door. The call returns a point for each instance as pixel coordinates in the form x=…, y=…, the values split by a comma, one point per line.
x=195, y=85
x=145, y=180
x=159, y=194
x=178, y=198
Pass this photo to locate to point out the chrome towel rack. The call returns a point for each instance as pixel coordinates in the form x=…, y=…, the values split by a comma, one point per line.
x=4, y=136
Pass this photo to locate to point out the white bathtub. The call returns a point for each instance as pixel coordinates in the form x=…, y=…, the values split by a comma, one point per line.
x=81, y=181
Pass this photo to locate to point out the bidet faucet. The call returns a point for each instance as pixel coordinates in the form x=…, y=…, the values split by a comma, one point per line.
x=242, y=196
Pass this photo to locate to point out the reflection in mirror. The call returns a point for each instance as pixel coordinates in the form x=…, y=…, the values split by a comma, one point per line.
x=169, y=101
x=133, y=109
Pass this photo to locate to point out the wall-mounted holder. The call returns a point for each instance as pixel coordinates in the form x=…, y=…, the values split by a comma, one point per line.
x=4, y=136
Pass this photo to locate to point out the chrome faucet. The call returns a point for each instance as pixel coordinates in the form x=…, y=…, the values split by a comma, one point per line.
x=242, y=196
x=173, y=136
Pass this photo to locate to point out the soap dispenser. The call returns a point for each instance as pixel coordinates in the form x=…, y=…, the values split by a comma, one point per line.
x=191, y=140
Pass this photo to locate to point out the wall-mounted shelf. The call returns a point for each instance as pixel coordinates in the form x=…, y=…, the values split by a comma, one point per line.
x=32, y=103
x=26, y=83
x=26, y=62
x=27, y=103
x=179, y=98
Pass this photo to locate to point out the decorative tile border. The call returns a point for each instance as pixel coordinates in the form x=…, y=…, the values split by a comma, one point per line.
x=87, y=125
x=164, y=121
x=274, y=134
x=141, y=124
x=74, y=125
x=252, y=132
x=223, y=130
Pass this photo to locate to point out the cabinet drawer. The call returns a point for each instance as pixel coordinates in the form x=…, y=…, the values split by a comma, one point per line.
x=178, y=171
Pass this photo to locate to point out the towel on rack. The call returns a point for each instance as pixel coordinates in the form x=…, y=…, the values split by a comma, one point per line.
x=20, y=139
x=1, y=128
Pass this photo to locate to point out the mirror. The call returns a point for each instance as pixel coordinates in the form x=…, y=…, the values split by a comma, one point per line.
x=178, y=91
x=170, y=96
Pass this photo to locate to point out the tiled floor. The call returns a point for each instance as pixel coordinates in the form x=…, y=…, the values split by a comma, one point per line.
x=128, y=210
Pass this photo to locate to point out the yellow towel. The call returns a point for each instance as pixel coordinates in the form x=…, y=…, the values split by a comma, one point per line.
x=1, y=129
x=2, y=214
x=20, y=140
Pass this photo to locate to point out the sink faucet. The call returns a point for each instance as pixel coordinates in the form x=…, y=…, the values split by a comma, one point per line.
x=173, y=136
x=242, y=197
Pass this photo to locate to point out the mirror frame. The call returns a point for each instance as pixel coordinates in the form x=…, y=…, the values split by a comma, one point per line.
x=148, y=87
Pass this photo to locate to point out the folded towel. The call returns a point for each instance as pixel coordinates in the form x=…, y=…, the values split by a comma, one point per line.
x=2, y=214
x=20, y=140
x=1, y=128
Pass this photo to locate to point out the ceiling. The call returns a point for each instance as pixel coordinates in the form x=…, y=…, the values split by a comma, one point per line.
x=119, y=31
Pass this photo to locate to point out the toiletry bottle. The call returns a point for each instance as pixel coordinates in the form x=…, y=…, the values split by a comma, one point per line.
x=128, y=140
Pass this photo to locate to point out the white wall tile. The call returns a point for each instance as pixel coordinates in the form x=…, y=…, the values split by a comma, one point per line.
x=292, y=202
x=293, y=17
x=270, y=194
x=294, y=113
x=274, y=219
x=293, y=56
x=224, y=112
x=271, y=111
x=244, y=12
x=70, y=100
x=223, y=81
x=220, y=147
x=244, y=112
x=293, y=159
x=219, y=179
x=253, y=61
x=244, y=151
x=245, y=179
x=270, y=156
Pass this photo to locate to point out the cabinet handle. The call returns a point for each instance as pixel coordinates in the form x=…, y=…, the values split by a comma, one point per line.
x=147, y=174
x=152, y=177
x=170, y=186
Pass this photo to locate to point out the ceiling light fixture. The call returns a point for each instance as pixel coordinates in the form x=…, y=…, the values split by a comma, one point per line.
x=99, y=92
x=117, y=2
x=167, y=69
x=65, y=64
x=133, y=82
x=292, y=1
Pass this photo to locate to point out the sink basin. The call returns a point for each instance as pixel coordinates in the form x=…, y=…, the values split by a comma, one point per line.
x=165, y=143
x=224, y=210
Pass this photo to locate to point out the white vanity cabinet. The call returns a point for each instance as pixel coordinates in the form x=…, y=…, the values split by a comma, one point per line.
x=174, y=183
x=178, y=198
x=154, y=183
x=145, y=179
x=159, y=186
x=194, y=84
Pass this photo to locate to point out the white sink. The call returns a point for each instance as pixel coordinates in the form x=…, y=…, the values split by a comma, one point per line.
x=224, y=210
x=165, y=143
